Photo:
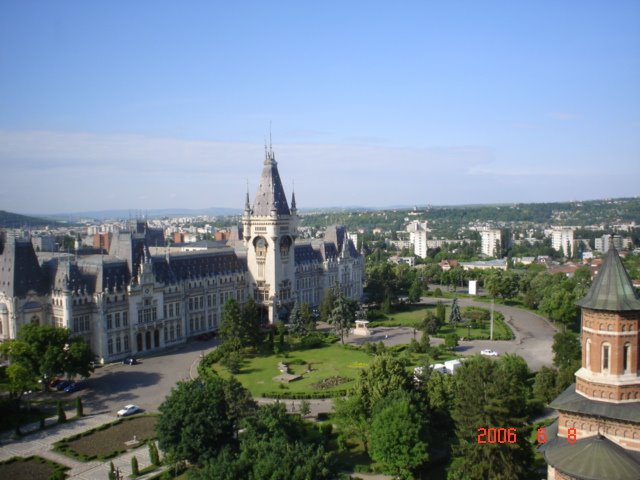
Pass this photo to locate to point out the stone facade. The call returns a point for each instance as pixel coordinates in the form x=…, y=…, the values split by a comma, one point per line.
x=130, y=302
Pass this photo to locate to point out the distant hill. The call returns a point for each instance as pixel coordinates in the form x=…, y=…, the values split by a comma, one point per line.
x=153, y=213
x=15, y=220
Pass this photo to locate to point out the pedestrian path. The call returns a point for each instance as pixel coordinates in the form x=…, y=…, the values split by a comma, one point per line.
x=40, y=443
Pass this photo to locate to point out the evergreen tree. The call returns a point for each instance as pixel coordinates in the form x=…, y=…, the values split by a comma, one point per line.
x=134, y=467
x=441, y=313
x=326, y=305
x=307, y=317
x=342, y=316
x=455, y=317
x=154, y=455
x=297, y=324
x=112, y=471
x=489, y=394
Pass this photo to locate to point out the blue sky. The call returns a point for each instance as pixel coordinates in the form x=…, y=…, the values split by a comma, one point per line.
x=153, y=104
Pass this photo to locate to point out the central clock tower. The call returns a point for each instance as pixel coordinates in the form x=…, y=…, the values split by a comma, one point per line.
x=269, y=230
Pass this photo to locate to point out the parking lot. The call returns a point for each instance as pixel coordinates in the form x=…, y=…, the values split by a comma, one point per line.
x=145, y=384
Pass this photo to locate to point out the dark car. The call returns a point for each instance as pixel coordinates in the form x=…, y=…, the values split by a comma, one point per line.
x=74, y=387
x=130, y=361
x=63, y=384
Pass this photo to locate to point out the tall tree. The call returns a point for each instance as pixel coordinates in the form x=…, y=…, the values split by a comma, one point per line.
x=327, y=304
x=342, y=316
x=415, y=291
x=455, y=317
x=486, y=394
x=307, y=317
x=194, y=421
x=566, y=349
x=297, y=324
x=251, y=323
x=398, y=436
x=47, y=350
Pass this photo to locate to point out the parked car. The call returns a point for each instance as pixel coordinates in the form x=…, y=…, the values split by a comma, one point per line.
x=129, y=410
x=61, y=385
x=130, y=361
x=489, y=353
x=74, y=387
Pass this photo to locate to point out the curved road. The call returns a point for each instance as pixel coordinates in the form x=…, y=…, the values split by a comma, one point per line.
x=533, y=333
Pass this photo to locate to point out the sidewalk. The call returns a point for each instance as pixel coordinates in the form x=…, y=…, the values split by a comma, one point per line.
x=40, y=443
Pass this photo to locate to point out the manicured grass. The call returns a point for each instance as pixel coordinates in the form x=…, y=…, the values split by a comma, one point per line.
x=411, y=317
x=415, y=314
x=33, y=468
x=330, y=361
x=108, y=440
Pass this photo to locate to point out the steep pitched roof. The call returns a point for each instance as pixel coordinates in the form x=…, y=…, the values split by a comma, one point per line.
x=270, y=195
x=612, y=288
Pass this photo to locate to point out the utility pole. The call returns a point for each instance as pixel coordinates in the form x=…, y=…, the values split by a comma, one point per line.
x=491, y=327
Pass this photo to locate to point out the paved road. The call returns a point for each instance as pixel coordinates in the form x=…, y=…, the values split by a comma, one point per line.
x=534, y=334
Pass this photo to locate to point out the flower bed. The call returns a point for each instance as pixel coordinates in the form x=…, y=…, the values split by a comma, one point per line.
x=107, y=441
x=33, y=468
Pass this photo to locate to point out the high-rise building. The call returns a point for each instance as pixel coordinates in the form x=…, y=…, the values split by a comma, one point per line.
x=562, y=240
x=597, y=434
x=491, y=242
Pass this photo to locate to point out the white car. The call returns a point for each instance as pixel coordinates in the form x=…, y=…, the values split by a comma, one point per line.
x=489, y=353
x=129, y=410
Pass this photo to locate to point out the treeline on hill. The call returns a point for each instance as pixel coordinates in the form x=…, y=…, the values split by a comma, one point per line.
x=15, y=220
x=448, y=219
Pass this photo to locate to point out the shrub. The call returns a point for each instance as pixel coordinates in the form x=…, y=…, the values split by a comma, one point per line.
x=62, y=417
x=134, y=467
x=79, y=406
x=437, y=292
x=154, y=456
x=313, y=340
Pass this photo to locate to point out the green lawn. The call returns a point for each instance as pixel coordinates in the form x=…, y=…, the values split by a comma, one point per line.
x=415, y=314
x=411, y=317
x=330, y=361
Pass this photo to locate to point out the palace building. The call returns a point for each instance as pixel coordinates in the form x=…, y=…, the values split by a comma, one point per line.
x=597, y=434
x=133, y=302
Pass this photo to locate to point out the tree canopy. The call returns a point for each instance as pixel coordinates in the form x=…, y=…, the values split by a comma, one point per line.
x=46, y=351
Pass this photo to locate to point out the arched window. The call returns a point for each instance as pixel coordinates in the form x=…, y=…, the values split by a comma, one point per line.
x=110, y=346
x=35, y=320
x=605, y=357
x=625, y=357
x=588, y=353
